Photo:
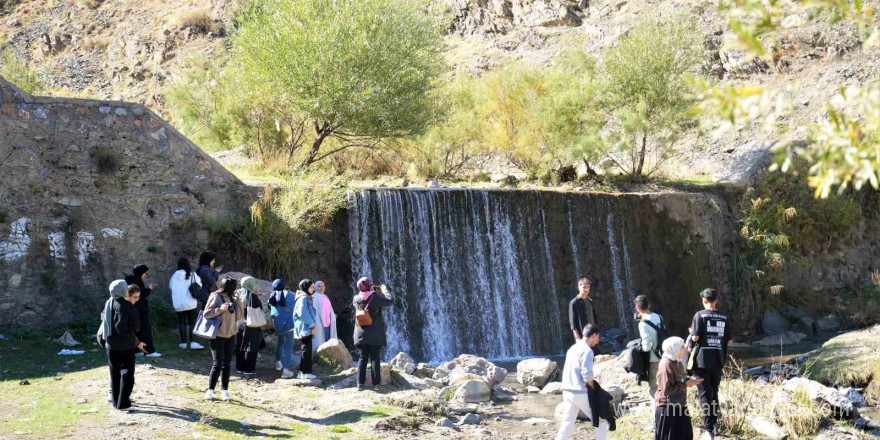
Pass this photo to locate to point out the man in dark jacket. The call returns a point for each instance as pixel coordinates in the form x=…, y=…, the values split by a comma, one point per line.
x=580, y=309
x=122, y=344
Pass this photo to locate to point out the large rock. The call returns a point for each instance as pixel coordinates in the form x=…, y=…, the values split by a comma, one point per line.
x=473, y=391
x=773, y=323
x=458, y=378
x=503, y=393
x=404, y=362
x=828, y=324
x=336, y=351
x=552, y=388
x=404, y=380
x=804, y=325
x=854, y=396
x=837, y=402
x=535, y=372
x=470, y=364
x=787, y=338
x=424, y=371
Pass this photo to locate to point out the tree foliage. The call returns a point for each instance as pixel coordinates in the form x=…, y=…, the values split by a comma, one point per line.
x=357, y=72
x=645, y=92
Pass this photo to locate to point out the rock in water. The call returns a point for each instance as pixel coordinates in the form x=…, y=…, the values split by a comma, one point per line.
x=827, y=324
x=473, y=391
x=535, y=372
x=470, y=364
x=552, y=388
x=773, y=323
x=336, y=351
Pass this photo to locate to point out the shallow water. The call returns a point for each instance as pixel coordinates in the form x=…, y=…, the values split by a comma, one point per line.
x=754, y=355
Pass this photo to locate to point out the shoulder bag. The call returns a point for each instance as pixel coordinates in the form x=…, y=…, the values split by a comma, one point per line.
x=255, y=316
x=207, y=327
x=195, y=290
x=362, y=317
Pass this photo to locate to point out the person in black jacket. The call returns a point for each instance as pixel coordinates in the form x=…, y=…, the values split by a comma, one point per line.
x=248, y=339
x=120, y=328
x=139, y=274
x=209, y=275
x=711, y=332
x=370, y=339
x=580, y=309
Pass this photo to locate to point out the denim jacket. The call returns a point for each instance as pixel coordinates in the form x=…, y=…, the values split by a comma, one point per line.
x=303, y=315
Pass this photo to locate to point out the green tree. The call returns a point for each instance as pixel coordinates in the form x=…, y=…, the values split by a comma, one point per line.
x=645, y=92
x=15, y=70
x=357, y=71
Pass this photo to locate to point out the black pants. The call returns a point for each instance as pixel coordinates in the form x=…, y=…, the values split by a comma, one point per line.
x=221, y=351
x=708, y=392
x=121, y=376
x=305, y=362
x=247, y=344
x=145, y=334
x=186, y=322
x=369, y=353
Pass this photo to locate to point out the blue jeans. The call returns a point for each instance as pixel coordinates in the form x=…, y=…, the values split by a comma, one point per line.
x=284, y=349
x=326, y=334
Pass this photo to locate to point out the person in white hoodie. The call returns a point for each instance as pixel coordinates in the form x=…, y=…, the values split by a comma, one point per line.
x=185, y=304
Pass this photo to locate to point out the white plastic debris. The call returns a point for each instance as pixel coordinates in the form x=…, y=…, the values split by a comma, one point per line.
x=67, y=352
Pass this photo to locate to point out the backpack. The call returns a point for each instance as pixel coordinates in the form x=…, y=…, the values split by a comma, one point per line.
x=362, y=317
x=635, y=360
x=662, y=335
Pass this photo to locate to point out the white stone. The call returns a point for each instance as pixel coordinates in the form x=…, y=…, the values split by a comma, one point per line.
x=15, y=280
x=85, y=246
x=473, y=391
x=112, y=233
x=16, y=246
x=552, y=388
x=57, y=246
x=535, y=372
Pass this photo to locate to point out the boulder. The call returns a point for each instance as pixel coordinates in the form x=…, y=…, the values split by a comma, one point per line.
x=336, y=351
x=795, y=313
x=473, y=391
x=535, y=372
x=446, y=393
x=872, y=392
x=837, y=402
x=552, y=388
x=471, y=364
x=773, y=323
x=433, y=383
x=424, y=371
x=402, y=360
x=470, y=419
x=457, y=378
x=854, y=396
x=828, y=324
x=446, y=423
x=804, y=325
x=557, y=414
x=502, y=393
x=787, y=338
x=767, y=428
x=404, y=380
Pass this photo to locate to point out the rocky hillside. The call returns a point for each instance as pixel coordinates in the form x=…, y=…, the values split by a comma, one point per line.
x=125, y=49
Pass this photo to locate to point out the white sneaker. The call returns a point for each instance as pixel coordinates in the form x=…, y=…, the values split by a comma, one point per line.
x=707, y=436
x=278, y=366
x=300, y=375
x=224, y=394
x=196, y=346
x=311, y=376
x=287, y=374
x=209, y=395
x=182, y=345
x=154, y=354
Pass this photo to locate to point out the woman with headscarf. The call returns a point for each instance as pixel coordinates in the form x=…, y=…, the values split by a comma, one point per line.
x=145, y=335
x=281, y=305
x=326, y=319
x=208, y=274
x=248, y=339
x=222, y=303
x=370, y=339
x=119, y=324
x=671, y=419
x=184, y=303
x=304, y=326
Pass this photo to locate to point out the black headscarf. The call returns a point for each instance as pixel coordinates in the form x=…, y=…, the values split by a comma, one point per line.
x=277, y=299
x=305, y=284
x=139, y=270
x=135, y=278
x=228, y=285
x=183, y=264
x=206, y=258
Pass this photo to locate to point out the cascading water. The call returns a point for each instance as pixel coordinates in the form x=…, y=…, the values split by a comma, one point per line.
x=490, y=272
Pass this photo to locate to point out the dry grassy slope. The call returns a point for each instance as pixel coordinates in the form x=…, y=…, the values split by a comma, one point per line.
x=126, y=49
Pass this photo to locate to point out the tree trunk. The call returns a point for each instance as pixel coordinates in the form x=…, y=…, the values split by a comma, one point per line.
x=638, y=173
x=590, y=171
x=322, y=133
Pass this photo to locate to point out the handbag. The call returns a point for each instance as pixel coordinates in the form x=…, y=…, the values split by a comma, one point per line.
x=195, y=290
x=362, y=317
x=255, y=316
x=206, y=327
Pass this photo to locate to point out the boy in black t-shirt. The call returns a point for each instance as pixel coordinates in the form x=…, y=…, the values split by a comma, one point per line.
x=711, y=332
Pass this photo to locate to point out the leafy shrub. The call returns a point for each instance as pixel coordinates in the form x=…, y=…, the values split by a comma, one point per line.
x=15, y=70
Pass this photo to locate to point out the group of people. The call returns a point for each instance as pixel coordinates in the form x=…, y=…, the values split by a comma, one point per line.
x=675, y=364
x=303, y=320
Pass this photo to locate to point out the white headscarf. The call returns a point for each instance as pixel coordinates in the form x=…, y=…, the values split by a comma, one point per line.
x=671, y=347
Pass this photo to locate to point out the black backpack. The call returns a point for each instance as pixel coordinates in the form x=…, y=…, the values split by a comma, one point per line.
x=662, y=335
x=635, y=360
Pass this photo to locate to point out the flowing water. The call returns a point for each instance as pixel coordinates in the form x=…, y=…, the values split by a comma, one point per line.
x=491, y=272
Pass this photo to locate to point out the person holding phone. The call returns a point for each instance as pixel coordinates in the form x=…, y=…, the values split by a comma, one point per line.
x=208, y=274
x=121, y=323
x=369, y=339
x=671, y=418
x=223, y=303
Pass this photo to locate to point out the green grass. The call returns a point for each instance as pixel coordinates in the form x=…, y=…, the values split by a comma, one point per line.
x=340, y=429
x=851, y=359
